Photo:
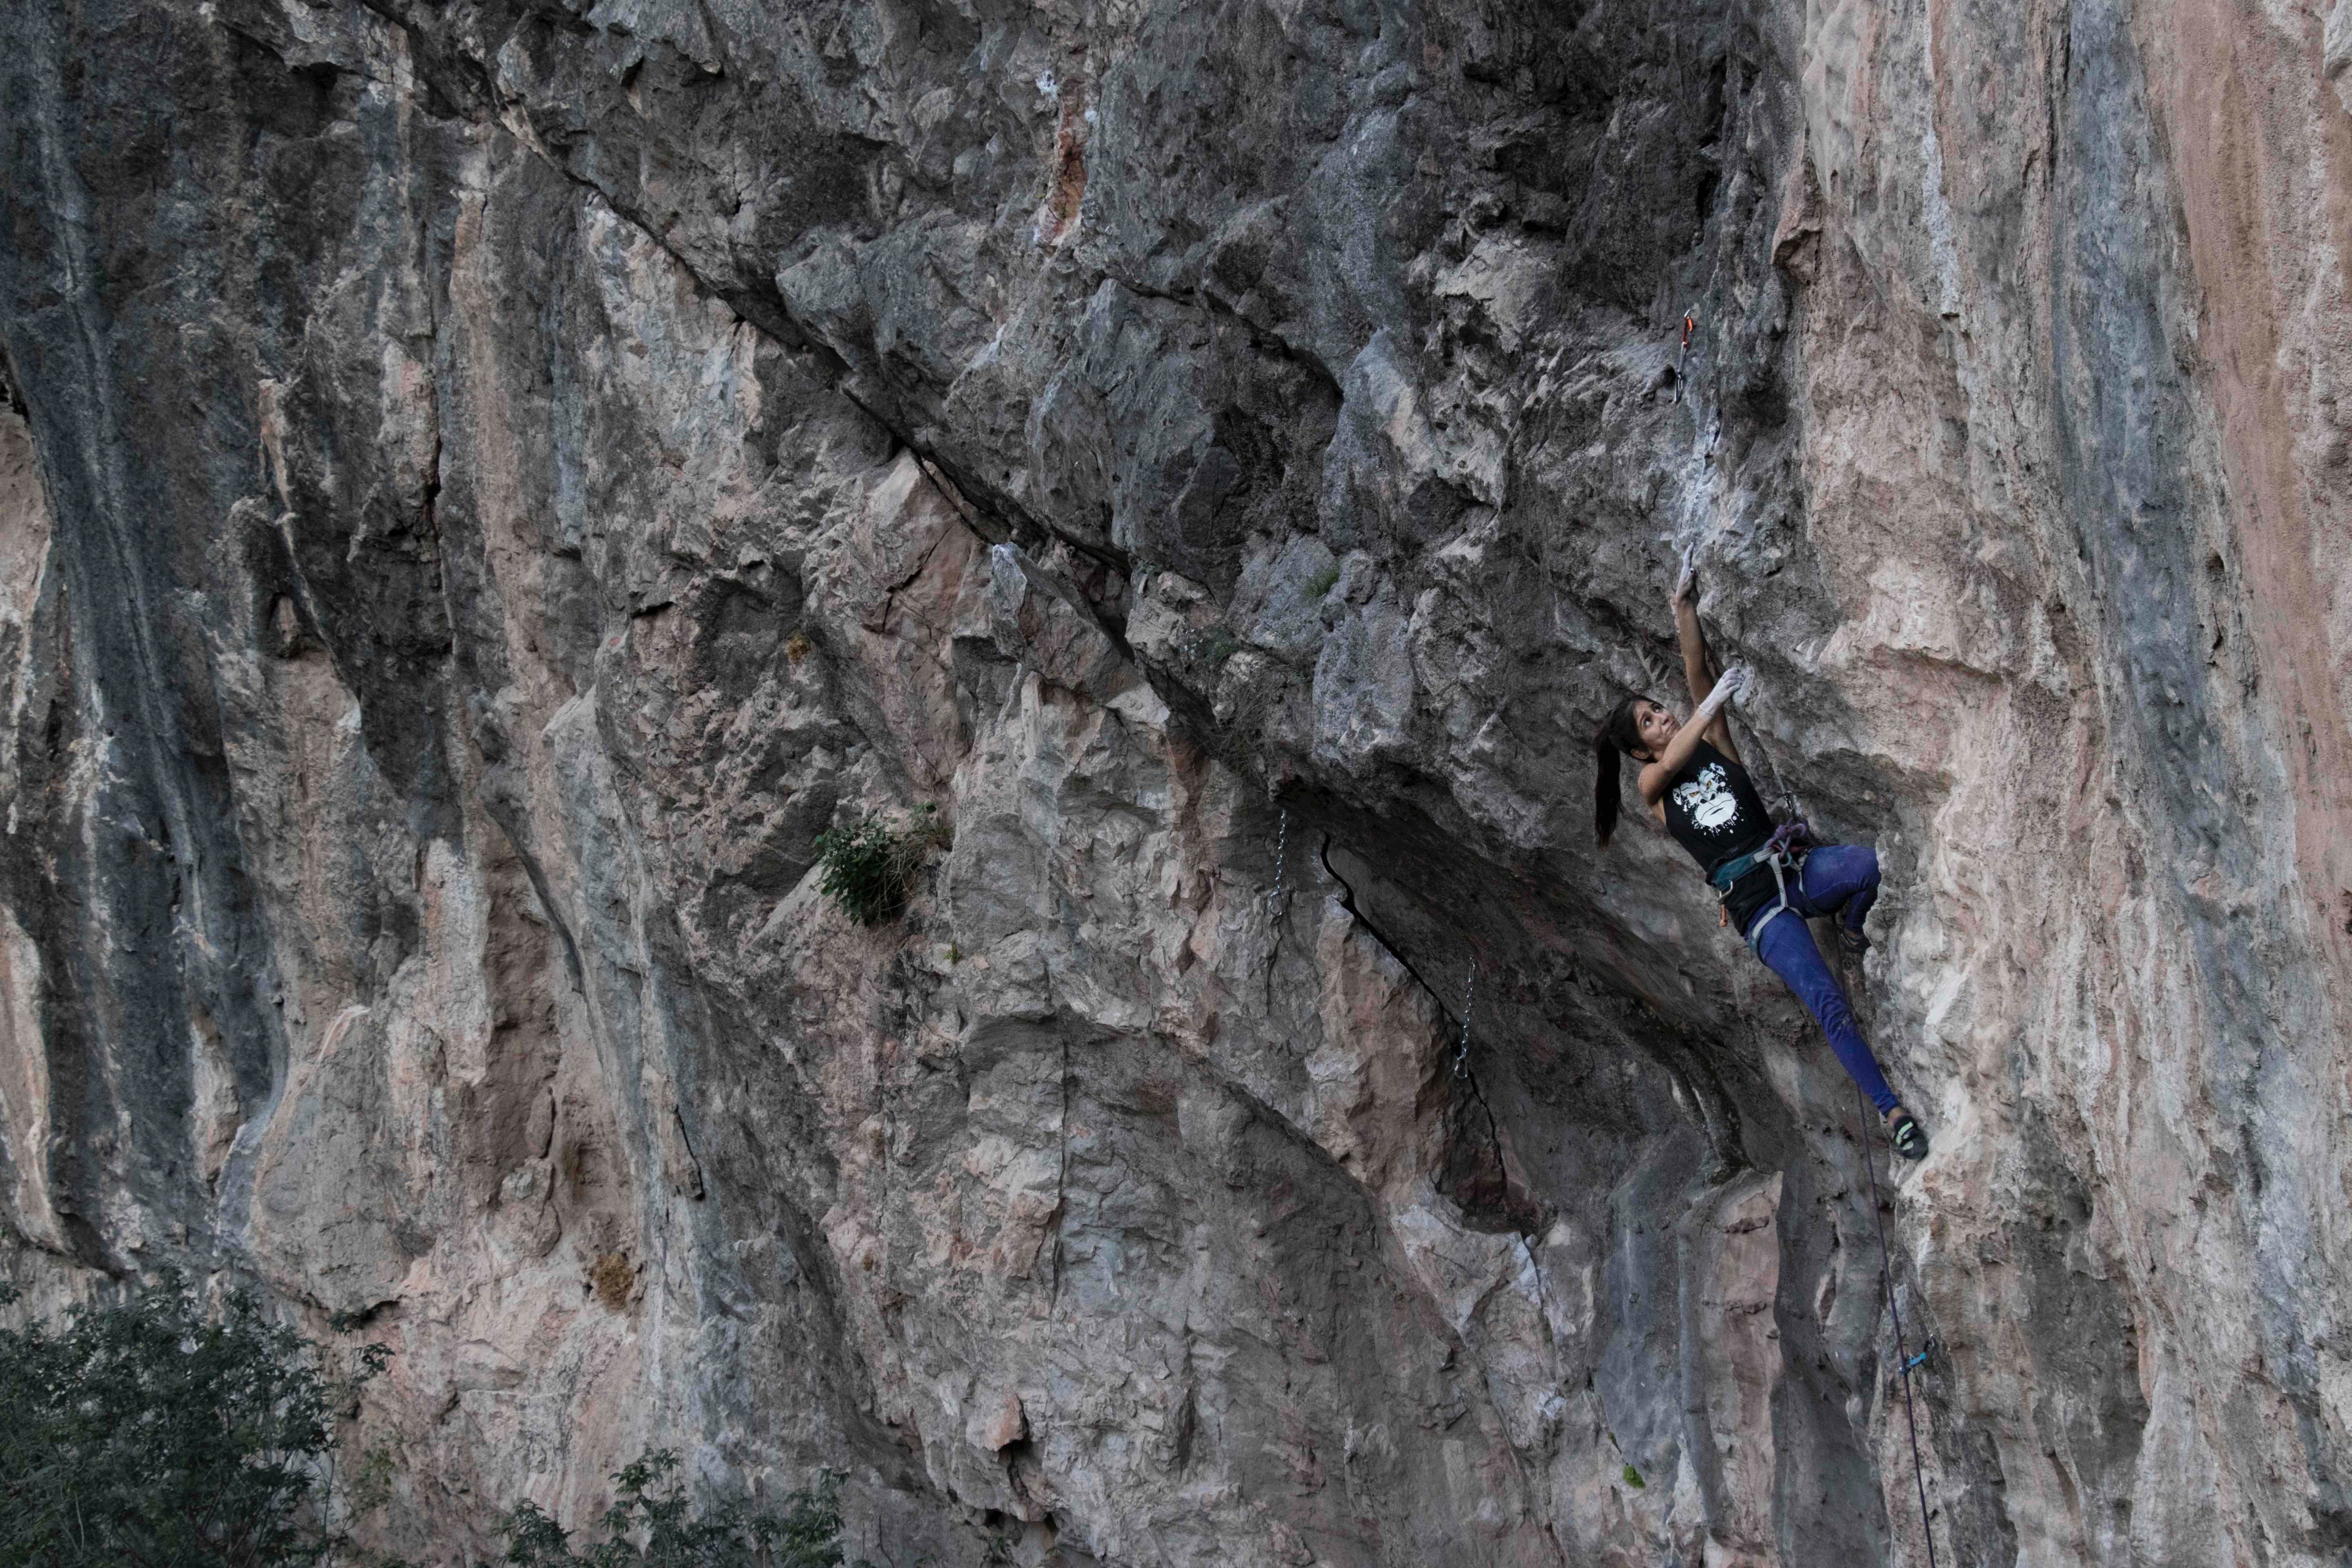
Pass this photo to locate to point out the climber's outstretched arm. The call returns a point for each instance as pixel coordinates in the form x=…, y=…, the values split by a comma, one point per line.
x=1698, y=665
x=1657, y=775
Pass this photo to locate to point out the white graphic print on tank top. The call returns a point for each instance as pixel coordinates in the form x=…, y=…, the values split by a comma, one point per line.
x=1708, y=801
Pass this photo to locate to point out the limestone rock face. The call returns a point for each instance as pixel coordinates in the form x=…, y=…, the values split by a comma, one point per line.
x=482, y=486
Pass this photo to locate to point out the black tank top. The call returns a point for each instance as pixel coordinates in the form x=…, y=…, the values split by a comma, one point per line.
x=1713, y=811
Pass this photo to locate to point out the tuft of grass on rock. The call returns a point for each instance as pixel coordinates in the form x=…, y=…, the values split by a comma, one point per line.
x=1323, y=582
x=612, y=1276
x=1215, y=646
x=867, y=867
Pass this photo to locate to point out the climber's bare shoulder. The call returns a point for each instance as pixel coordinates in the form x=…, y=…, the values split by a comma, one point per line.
x=1652, y=781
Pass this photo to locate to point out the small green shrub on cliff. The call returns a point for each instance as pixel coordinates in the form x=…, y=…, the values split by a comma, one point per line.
x=1215, y=646
x=867, y=867
x=651, y=1508
x=149, y=1432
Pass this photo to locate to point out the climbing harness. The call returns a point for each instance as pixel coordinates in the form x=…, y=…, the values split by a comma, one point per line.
x=1469, y=998
x=1886, y=1274
x=1785, y=852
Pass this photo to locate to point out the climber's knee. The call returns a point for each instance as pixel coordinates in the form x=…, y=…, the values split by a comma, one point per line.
x=1841, y=877
x=1865, y=895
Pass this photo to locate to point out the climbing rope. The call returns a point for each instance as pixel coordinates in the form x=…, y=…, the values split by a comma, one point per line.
x=1885, y=1261
x=1789, y=804
x=1902, y=1350
x=1785, y=798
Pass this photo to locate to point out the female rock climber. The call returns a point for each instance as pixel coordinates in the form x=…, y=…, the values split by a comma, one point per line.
x=1692, y=777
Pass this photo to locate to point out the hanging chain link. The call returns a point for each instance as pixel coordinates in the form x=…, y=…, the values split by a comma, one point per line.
x=1281, y=848
x=1469, y=1000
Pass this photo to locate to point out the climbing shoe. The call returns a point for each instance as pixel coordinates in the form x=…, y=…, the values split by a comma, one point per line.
x=1909, y=1141
x=1852, y=940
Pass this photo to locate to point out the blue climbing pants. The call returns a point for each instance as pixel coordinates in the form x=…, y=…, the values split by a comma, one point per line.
x=1839, y=880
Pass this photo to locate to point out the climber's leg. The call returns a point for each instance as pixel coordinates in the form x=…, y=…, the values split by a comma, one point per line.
x=1786, y=944
x=1838, y=879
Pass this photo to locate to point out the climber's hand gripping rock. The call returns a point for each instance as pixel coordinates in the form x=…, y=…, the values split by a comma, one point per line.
x=1732, y=686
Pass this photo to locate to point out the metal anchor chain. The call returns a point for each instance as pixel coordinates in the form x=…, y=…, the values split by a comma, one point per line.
x=1469, y=1000
x=1281, y=848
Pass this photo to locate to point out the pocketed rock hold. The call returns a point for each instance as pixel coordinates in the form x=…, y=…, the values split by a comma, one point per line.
x=483, y=487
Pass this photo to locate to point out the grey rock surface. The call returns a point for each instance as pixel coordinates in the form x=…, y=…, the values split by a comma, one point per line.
x=482, y=486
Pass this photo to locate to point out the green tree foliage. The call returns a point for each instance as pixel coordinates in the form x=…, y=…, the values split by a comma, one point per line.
x=648, y=1526
x=151, y=1433
x=867, y=867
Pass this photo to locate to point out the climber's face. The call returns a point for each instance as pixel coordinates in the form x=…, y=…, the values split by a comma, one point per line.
x=1657, y=725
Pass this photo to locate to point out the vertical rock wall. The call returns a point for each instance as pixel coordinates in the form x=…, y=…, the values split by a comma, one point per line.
x=483, y=486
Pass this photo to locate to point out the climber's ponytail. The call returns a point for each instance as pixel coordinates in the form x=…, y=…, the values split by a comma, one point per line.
x=1619, y=733
x=1608, y=790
